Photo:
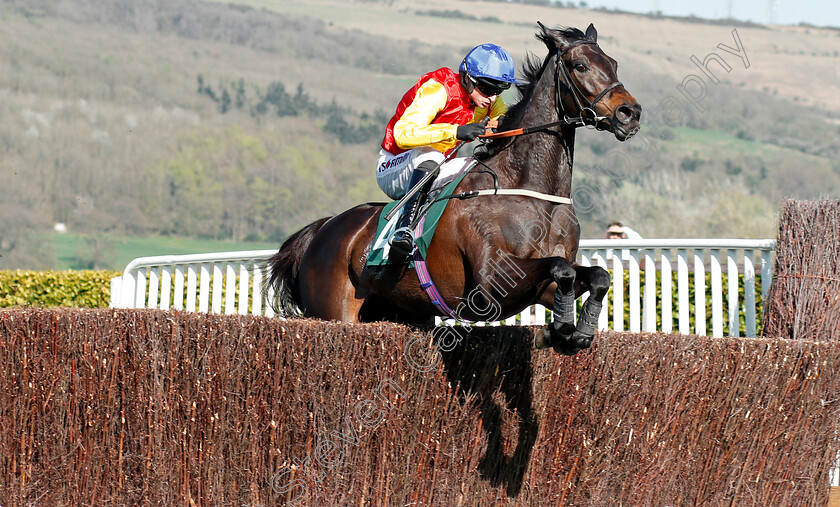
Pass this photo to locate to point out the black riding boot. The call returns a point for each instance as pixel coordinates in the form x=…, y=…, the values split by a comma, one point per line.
x=402, y=242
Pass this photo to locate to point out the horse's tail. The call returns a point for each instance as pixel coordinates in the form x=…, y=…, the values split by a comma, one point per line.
x=284, y=266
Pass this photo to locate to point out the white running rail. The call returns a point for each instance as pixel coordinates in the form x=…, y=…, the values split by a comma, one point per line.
x=651, y=278
x=225, y=282
x=671, y=269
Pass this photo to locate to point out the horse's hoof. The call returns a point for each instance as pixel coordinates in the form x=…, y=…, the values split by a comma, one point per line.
x=542, y=339
x=566, y=349
x=574, y=344
x=561, y=331
x=582, y=341
x=553, y=334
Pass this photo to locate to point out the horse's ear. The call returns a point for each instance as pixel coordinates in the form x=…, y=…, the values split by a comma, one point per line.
x=551, y=38
x=591, y=33
x=545, y=33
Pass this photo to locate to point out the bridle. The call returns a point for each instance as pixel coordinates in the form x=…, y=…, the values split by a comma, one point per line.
x=588, y=116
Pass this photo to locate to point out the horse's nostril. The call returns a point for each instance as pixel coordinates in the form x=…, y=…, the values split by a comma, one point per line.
x=627, y=113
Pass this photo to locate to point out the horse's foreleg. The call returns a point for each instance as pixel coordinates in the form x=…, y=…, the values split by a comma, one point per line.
x=562, y=334
x=570, y=339
x=596, y=280
x=562, y=326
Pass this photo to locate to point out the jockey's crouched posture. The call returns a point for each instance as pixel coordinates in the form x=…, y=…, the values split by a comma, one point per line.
x=442, y=108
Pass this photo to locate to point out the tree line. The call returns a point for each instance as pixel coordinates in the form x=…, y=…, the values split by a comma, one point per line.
x=347, y=125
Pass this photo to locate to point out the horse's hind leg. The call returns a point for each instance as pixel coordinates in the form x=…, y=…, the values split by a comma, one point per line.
x=336, y=302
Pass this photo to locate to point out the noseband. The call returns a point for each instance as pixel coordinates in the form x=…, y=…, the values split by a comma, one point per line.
x=588, y=116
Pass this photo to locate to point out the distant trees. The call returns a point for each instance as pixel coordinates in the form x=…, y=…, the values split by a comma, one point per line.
x=254, y=185
x=346, y=125
x=22, y=237
x=668, y=203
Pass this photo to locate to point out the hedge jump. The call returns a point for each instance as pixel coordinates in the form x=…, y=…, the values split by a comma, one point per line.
x=147, y=407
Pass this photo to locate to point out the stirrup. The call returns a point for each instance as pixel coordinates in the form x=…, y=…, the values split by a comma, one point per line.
x=406, y=230
x=410, y=233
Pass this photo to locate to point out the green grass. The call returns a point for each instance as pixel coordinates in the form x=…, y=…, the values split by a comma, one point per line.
x=719, y=145
x=688, y=140
x=121, y=250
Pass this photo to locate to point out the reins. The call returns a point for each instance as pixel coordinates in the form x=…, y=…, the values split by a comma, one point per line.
x=530, y=130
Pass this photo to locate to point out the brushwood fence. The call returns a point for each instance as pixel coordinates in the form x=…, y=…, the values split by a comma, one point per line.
x=132, y=407
x=805, y=297
x=702, y=286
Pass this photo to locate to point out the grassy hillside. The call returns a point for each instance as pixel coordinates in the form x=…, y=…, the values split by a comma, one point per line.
x=794, y=62
x=106, y=251
x=243, y=121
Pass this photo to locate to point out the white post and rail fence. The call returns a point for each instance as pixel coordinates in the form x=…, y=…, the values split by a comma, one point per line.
x=703, y=286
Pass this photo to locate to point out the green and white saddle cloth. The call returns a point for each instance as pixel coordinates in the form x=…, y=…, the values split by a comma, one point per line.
x=425, y=229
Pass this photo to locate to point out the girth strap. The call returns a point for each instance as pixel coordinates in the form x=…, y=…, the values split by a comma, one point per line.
x=516, y=191
x=426, y=279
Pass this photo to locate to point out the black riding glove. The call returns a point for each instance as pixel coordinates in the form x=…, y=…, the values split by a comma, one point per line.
x=469, y=131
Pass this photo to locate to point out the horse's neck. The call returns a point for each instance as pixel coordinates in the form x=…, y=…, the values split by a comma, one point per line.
x=541, y=161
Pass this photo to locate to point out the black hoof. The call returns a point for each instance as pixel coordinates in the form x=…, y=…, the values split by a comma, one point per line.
x=555, y=334
x=566, y=349
x=582, y=340
x=542, y=339
x=561, y=331
x=574, y=344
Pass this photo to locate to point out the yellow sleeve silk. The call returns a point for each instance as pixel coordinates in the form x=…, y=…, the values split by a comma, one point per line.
x=415, y=128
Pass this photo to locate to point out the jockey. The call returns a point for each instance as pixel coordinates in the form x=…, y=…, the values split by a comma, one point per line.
x=442, y=108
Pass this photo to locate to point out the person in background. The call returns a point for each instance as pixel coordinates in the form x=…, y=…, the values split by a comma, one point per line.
x=616, y=230
x=441, y=109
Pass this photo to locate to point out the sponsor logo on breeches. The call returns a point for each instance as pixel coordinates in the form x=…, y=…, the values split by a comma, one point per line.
x=392, y=162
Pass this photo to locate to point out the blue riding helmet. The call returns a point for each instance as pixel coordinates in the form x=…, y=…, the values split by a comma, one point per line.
x=489, y=61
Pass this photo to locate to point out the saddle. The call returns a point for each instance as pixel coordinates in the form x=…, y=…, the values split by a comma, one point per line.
x=424, y=228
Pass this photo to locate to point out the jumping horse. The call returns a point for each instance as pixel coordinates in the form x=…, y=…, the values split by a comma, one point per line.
x=502, y=252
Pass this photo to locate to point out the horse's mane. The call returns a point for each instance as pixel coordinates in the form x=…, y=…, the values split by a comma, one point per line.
x=532, y=70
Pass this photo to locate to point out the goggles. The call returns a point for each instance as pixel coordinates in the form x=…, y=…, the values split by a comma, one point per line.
x=489, y=87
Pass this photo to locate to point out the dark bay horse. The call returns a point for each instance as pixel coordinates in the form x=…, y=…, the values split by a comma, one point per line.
x=492, y=256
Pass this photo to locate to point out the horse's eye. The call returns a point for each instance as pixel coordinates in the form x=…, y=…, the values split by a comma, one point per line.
x=580, y=67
